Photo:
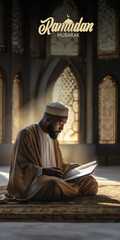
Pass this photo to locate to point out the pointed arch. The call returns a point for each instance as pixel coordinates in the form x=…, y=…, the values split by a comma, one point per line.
x=2, y=26
x=2, y=104
x=17, y=26
x=16, y=106
x=46, y=83
x=59, y=44
x=108, y=31
x=107, y=110
x=66, y=91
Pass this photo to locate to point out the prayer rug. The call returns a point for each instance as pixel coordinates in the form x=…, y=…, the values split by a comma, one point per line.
x=104, y=207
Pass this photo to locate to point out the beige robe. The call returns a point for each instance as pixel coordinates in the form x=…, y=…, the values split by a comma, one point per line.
x=26, y=159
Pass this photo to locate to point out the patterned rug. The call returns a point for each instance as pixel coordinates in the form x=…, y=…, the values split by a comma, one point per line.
x=104, y=207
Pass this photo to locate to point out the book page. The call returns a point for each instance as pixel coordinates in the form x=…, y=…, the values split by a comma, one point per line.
x=80, y=171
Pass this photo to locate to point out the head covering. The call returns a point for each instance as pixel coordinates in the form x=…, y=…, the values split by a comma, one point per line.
x=56, y=109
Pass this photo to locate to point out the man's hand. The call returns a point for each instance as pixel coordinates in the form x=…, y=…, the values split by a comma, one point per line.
x=53, y=171
x=69, y=166
x=74, y=165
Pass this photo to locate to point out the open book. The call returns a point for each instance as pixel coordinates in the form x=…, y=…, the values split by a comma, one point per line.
x=80, y=171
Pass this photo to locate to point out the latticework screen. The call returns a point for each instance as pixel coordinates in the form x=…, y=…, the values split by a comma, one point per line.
x=16, y=107
x=108, y=31
x=107, y=111
x=2, y=27
x=66, y=91
x=64, y=45
x=1, y=106
x=17, y=26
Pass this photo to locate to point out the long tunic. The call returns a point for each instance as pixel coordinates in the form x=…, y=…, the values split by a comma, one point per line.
x=47, y=149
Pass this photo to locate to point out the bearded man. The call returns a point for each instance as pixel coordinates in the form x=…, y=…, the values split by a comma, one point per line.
x=37, y=166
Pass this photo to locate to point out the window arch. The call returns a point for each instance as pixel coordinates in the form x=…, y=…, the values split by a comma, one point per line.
x=59, y=44
x=16, y=106
x=2, y=26
x=66, y=91
x=107, y=111
x=1, y=105
x=17, y=26
x=108, y=31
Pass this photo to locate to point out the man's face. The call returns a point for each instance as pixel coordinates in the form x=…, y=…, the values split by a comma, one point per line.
x=56, y=126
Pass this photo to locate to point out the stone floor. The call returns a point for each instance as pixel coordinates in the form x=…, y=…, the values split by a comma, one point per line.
x=59, y=231
x=62, y=230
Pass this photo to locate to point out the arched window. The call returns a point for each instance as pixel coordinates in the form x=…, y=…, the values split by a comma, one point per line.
x=108, y=31
x=2, y=26
x=1, y=106
x=16, y=106
x=66, y=91
x=107, y=111
x=59, y=44
x=17, y=26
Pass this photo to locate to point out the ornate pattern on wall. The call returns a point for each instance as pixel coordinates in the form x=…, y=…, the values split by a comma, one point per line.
x=16, y=106
x=2, y=27
x=1, y=106
x=66, y=91
x=65, y=45
x=17, y=26
x=107, y=111
x=107, y=32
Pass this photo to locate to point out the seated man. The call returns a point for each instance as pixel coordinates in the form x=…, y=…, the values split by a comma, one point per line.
x=37, y=166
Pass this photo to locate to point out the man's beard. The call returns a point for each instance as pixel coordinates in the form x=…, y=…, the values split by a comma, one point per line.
x=51, y=131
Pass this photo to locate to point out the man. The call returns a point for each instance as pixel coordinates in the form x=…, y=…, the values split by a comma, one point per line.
x=37, y=166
